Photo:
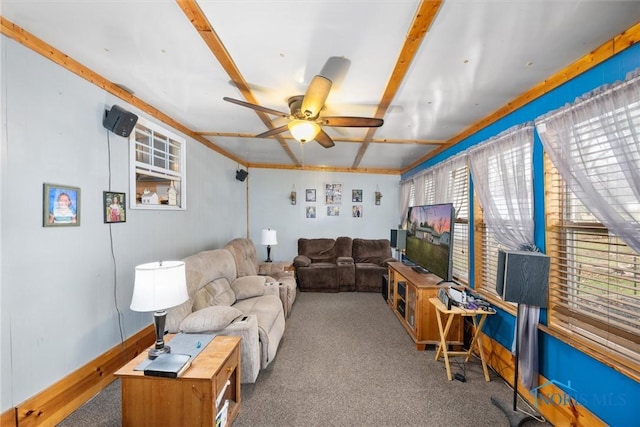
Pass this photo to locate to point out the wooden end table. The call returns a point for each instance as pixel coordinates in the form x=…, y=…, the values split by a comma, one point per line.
x=475, y=342
x=189, y=400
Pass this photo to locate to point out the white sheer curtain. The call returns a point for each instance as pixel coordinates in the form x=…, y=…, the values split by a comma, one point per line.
x=594, y=142
x=501, y=168
x=405, y=194
x=501, y=172
x=418, y=193
x=445, y=179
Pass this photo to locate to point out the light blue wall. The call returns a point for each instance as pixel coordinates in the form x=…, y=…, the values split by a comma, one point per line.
x=607, y=393
x=270, y=207
x=63, y=290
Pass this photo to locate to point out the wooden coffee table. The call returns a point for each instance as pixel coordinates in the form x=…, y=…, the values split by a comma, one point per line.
x=189, y=400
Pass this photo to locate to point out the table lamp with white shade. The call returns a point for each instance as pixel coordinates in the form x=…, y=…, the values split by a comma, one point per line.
x=269, y=238
x=157, y=287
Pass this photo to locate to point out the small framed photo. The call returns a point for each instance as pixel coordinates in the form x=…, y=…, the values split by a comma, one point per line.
x=357, y=211
x=333, y=210
x=310, y=195
x=356, y=196
x=311, y=211
x=114, y=207
x=61, y=206
x=333, y=194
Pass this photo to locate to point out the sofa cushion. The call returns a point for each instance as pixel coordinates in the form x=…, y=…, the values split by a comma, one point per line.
x=375, y=251
x=248, y=286
x=217, y=292
x=244, y=253
x=318, y=250
x=210, y=319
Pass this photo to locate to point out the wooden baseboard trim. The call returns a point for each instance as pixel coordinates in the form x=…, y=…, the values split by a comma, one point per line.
x=55, y=403
x=551, y=401
x=9, y=418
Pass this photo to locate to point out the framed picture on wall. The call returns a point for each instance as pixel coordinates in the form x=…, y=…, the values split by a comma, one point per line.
x=61, y=206
x=356, y=196
x=311, y=211
x=310, y=195
x=333, y=210
x=114, y=207
x=333, y=194
x=357, y=211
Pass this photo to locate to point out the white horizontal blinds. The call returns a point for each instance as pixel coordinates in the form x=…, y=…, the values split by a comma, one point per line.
x=486, y=259
x=452, y=186
x=429, y=188
x=592, y=179
x=501, y=168
x=412, y=194
x=460, y=191
x=157, y=154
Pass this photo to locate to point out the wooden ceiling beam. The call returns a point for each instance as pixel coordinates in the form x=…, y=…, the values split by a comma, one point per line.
x=203, y=27
x=425, y=14
x=340, y=139
x=377, y=171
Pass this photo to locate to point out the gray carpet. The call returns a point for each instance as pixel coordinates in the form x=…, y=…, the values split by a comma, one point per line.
x=345, y=360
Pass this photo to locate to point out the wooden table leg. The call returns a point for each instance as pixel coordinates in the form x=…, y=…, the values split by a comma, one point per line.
x=476, y=341
x=443, y=341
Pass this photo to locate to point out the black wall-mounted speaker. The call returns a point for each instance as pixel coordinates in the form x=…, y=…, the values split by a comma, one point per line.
x=241, y=175
x=398, y=239
x=523, y=277
x=119, y=121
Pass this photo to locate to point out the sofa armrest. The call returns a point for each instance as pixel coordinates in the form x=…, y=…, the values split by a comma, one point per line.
x=385, y=263
x=344, y=260
x=210, y=319
x=272, y=288
x=301, y=261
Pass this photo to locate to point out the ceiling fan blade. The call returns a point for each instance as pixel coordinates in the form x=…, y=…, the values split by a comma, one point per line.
x=352, y=122
x=315, y=96
x=256, y=107
x=272, y=132
x=325, y=140
x=335, y=69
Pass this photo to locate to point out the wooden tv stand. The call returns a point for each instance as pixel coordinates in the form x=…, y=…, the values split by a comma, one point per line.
x=408, y=296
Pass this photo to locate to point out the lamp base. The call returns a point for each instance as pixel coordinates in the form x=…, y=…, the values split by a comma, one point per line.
x=155, y=352
x=268, y=254
x=159, y=318
x=516, y=418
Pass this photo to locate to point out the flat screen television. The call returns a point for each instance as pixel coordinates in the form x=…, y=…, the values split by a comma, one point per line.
x=430, y=239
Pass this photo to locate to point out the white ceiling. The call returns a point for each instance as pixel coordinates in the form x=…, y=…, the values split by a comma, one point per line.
x=476, y=56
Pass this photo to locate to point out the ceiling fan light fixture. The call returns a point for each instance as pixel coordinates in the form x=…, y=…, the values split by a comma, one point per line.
x=304, y=130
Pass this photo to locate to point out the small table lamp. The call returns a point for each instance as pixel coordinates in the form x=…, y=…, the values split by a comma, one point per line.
x=158, y=286
x=269, y=238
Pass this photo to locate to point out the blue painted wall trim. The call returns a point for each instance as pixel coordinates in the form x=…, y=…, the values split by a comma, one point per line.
x=610, y=395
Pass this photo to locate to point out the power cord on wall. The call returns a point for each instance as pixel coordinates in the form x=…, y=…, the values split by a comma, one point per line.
x=113, y=255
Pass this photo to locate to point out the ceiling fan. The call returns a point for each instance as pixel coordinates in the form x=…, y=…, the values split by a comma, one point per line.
x=305, y=122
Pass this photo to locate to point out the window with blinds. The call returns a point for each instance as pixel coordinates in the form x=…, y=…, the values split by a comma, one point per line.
x=459, y=188
x=594, y=284
x=486, y=255
x=157, y=168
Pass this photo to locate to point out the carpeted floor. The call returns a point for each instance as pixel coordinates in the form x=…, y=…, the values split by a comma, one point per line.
x=345, y=360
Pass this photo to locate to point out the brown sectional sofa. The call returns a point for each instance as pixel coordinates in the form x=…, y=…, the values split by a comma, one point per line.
x=342, y=264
